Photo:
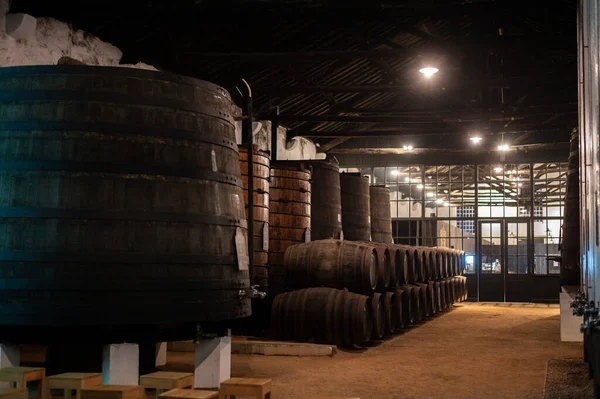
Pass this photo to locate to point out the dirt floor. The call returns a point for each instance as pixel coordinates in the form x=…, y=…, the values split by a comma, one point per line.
x=473, y=351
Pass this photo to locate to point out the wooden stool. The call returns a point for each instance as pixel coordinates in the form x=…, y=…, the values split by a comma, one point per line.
x=13, y=393
x=72, y=381
x=180, y=393
x=259, y=388
x=20, y=376
x=165, y=380
x=113, y=392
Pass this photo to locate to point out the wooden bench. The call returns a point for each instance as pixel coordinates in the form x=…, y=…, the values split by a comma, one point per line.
x=180, y=393
x=71, y=381
x=13, y=393
x=166, y=380
x=259, y=388
x=113, y=392
x=20, y=376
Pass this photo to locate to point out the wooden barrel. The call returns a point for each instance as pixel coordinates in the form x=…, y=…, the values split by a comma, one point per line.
x=332, y=263
x=261, y=210
x=322, y=315
x=381, y=216
x=377, y=316
x=326, y=221
x=410, y=308
x=432, y=264
x=408, y=265
x=402, y=266
x=383, y=266
x=421, y=303
x=396, y=265
x=437, y=296
x=433, y=297
x=289, y=216
x=106, y=206
x=444, y=261
x=424, y=263
x=426, y=299
x=451, y=290
x=355, y=207
x=419, y=261
x=455, y=260
x=390, y=312
x=413, y=265
x=401, y=318
x=438, y=263
x=447, y=295
x=443, y=296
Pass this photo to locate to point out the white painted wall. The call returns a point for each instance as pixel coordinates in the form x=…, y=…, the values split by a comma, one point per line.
x=298, y=148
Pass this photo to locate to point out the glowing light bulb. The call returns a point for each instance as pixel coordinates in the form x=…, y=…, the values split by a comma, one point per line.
x=475, y=139
x=407, y=147
x=420, y=186
x=498, y=169
x=503, y=147
x=429, y=71
x=439, y=201
x=429, y=194
x=394, y=172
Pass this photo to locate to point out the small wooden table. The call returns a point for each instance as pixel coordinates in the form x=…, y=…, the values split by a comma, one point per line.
x=259, y=388
x=165, y=380
x=20, y=376
x=180, y=393
x=72, y=381
x=113, y=392
x=13, y=393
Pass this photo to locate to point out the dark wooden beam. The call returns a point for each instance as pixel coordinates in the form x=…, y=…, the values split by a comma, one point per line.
x=407, y=132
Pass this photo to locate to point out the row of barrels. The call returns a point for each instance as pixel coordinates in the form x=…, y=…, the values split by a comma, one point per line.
x=340, y=317
x=366, y=267
x=301, y=201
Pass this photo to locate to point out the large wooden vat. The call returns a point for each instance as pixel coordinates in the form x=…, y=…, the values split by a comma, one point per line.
x=322, y=315
x=326, y=220
x=289, y=215
x=261, y=179
x=120, y=201
x=381, y=216
x=356, y=215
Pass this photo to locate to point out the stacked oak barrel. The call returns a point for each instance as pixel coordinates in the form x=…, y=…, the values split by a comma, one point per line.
x=351, y=291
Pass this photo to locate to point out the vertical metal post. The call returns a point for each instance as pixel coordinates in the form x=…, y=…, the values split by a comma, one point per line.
x=247, y=133
x=274, y=139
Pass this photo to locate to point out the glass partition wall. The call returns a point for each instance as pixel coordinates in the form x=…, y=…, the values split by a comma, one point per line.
x=462, y=206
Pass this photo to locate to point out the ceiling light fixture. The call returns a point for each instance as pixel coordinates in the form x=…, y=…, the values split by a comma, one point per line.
x=475, y=139
x=498, y=169
x=429, y=71
x=407, y=147
x=502, y=146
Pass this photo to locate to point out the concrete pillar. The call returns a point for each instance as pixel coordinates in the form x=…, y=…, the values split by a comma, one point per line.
x=569, y=323
x=10, y=356
x=120, y=364
x=212, y=362
x=161, y=354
